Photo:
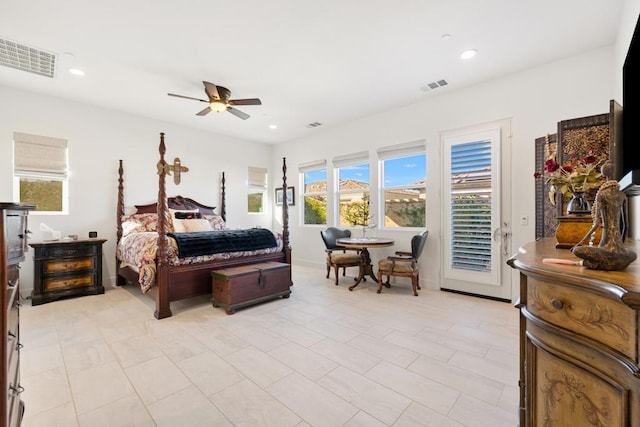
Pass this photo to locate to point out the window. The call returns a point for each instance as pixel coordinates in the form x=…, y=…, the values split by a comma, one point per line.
x=353, y=197
x=403, y=172
x=40, y=172
x=314, y=178
x=256, y=189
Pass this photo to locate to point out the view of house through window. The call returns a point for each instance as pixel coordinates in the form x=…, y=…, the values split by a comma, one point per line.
x=353, y=192
x=404, y=190
x=315, y=193
x=40, y=172
x=256, y=189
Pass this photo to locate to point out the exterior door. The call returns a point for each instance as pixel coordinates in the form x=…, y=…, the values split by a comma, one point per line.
x=476, y=210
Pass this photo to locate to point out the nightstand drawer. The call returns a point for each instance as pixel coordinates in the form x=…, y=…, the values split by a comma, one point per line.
x=67, y=251
x=68, y=265
x=57, y=283
x=585, y=313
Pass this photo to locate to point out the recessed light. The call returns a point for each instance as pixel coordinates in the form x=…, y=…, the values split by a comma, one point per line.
x=469, y=53
x=76, y=72
x=273, y=126
x=445, y=37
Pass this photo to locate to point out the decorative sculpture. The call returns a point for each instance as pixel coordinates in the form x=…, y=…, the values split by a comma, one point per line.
x=607, y=212
x=176, y=168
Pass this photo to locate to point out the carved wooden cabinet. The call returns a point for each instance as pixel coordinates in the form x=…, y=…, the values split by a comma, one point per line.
x=13, y=245
x=66, y=268
x=579, y=333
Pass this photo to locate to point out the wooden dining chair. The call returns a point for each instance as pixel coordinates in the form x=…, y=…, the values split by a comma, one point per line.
x=404, y=264
x=338, y=256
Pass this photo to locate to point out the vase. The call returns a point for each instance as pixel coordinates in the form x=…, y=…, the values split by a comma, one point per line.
x=578, y=204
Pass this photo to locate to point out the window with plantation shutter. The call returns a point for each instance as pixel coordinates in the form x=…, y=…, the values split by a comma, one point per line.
x=40, y=170
x=471, y=196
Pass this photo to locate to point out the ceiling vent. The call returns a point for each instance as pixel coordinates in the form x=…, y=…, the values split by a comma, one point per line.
x=26, y=58
x=314, y=125
x=434, y=85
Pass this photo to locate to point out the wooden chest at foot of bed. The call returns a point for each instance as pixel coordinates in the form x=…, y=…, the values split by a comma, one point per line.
x=237, y=287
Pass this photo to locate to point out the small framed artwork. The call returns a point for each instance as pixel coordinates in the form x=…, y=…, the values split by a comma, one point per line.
x=291, y=196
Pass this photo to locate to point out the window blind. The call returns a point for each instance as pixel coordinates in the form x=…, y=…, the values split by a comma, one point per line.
x=351, y=159
x=402, y=150
x=312, y=166
x=257, y=178
x=39, y=155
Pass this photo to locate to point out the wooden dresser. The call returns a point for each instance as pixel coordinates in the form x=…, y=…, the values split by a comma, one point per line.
x=66, y=268
x=13, y=245
x=579, y=340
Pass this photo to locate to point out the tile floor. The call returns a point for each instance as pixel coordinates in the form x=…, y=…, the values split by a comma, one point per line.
x=323, y=357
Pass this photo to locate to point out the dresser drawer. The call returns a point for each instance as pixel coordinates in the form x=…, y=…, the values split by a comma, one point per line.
x=593, y=316
x=67, y=282
x=66, y=250
x=11, y=288
x=68, y=265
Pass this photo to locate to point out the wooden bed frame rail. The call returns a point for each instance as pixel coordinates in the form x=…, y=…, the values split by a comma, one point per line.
x=175, y=282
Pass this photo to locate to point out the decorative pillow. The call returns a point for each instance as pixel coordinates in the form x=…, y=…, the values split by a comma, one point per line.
x=173, y=212
x=136, y=223
x=217, y=223
x=186, y=215
x=191, y=225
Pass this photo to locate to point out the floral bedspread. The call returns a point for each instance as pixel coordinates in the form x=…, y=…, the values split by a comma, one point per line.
x=138, y=250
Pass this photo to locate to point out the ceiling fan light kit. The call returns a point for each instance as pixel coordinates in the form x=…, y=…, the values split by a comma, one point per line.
x=218, y=100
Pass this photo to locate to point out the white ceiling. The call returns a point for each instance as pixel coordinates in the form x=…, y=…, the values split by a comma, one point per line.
x=327, y=61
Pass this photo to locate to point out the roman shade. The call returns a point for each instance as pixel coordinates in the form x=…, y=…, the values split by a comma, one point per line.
x=36, y=155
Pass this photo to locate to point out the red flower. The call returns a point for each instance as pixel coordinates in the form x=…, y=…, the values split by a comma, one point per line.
x=537, y=175
x=551, y=166
x=589, y=159
x=568, y=168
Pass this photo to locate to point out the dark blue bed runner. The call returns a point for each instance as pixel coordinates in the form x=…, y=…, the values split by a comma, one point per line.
x=215, y=242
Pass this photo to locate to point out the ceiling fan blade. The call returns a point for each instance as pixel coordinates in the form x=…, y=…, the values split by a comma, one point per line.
x=249, y=101
x=187, y=97
x=238, y=113
x=204, y=112
x=211, y=90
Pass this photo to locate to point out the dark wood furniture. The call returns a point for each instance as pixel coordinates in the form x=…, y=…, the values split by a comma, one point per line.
x=366, y=268
x=176, y=282
x=66, y=268
x=13, y=245
x=579, y=340
x=404, y=264
x=339, y=256
x=237, y=287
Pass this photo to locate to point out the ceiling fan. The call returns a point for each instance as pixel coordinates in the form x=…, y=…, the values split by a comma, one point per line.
x=219, y=101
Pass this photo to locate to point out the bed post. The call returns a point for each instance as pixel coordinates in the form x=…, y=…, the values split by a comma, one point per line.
x=163, y=308
x=223, y=203
x=285, y=214
x=120, y=281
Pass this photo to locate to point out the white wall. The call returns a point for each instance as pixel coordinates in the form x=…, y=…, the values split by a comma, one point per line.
x=535, y=100
x=98, y=138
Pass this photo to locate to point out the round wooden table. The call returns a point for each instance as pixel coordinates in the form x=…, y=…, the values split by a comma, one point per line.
x=366, y=269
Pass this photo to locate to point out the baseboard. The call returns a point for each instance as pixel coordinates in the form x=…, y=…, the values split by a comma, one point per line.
x=453, y=291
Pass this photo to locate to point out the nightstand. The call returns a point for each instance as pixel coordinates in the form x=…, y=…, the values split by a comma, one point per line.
x=66, y=268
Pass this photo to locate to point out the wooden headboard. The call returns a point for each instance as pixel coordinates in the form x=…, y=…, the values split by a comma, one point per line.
x=177, y=202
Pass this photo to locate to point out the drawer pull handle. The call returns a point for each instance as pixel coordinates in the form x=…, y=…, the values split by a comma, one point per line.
x=19, y=346
x=11, y=336
x=557, y=304
x=261, y=280
x=13, y=284
x=14, y=391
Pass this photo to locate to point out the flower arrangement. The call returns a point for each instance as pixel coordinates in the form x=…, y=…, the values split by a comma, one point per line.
x=571, y=179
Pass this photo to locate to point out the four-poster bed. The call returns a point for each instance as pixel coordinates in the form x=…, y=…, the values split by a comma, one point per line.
x=147, y=252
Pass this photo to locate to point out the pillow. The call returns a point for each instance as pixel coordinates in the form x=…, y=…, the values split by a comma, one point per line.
x=191, y=225
x=216, y=221
x=137, y=223
x=186, y=215
x=172, y=215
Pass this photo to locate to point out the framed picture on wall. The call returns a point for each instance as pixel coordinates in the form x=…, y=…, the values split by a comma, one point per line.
x=291, y=196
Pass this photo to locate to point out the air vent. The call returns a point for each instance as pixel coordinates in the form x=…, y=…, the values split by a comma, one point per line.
x=314, y=125
x=26, y=58
x=434, y=85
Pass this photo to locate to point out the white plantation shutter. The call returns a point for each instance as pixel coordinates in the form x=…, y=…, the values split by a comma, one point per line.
x=43, y=156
